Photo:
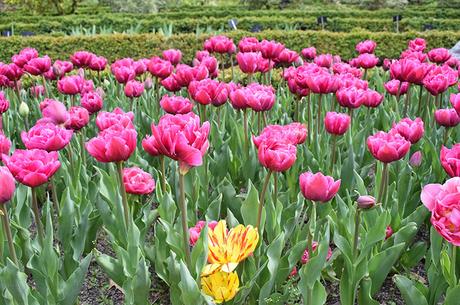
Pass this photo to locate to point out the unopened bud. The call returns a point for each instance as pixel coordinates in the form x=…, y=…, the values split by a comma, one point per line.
x=24, y=110
x=416, y=159
x=388, y=232
x=366, y=202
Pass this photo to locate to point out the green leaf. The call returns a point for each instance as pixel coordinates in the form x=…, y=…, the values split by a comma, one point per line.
x=380, y=265
x=250, y=206
x=190, y=292
x=452, y=296
x=73, y=285
x=409, y=292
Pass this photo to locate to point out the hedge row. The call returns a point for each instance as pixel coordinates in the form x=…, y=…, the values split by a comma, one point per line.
x=65, y=25
x=146, y=45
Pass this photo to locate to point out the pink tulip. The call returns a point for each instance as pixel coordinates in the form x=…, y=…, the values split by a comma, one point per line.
x=114, y=144
x=249, y=44
x=98, y=63
x=219, y=44
x=124, y=74
x=79, y=118
x=134, y=88
x=160, y=68
x=314, y=245
x=38, y=66
x=350, y=97
x=436, y=83
x=294, y=133
x=366, y=46
x=447, y=117
x=92, y=102
x=392, y=87
x=443, y=202
x=409, y=54
x=324, y=60
x=195, y=231
x=46, y=136
x=208, y=91
x=54, y=110
x=176, y=104
x=388, y=232
x=61, y=67
x=367, y=61
x=371, y=98
x=409, y=70
x=4, y=103
x=287, y=57
x=170, y=83
x=24, y=56
x=249, y=61
x=180, y=137
x=418, y=44
x=410, y=130
x=137, y=181
x=7, y=185
x=309, y=53
x=71, y=85
x=174, y=56
x=346, y=69
x=277, y=155
x=140, y=66
x=271, y=49
x=322, y=83
x=416, y=159
x=337, y=123
x=261, y=97
x=450, y=160
x=37, y=91
x=439, y=55
x=105, y=120
x=32, y=167
x=5, y=144
x=317, y=187
x=454, y=101
x=12, y=72
x=387, y=147
x=365, y=202
x=81, y=59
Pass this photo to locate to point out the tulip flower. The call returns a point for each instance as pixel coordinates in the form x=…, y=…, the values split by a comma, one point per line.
x=324, y=60
x=450, y=160
x=227, y=248
x=410, y=54
x=195, y=231
x=78, y=118
x=38, y=65
x=5, y=144
x=71, y=85
x=287, y=57
x=24, y=56
x=412, y=131
x=309, y=53
x=54, y=110
x=221, y=286
x=439, y=55
x=454, y=101
x=306, y=254
x=170, y=83
x=447, y=117
x=367, y=61
x=134, y=88
x=92, y=101
x=436, y=83
x=418, y=44
x=97, y=63
x=160, y=68
x=82, y=59
x=396, y=87
x=371, y=98
x=248, y=61
x=416, y=159
x=33, y=168
x=366, y=46
x=176, y=104
x=294, y=133
x=351, y=98
x=317, y=187
x=249, y=44
x=443, y=203
x=208, y=91
x=276, y=155
x=140, y=66
x=60, y=68
x=37, y=91
x=137, y=181
x=46, y=136
x=7, y=188
x=219, y=44
x=174, y=56
x=365, y=202
x=337, y=123
x=124, y=74
x=113, y=144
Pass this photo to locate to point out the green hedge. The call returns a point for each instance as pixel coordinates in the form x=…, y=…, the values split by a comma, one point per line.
x=145, y=45
x=65, y=25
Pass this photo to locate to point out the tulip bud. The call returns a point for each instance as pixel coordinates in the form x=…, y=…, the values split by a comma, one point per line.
x=388, y=232
x=365, y=202
x=416, y=159
x=24, y=109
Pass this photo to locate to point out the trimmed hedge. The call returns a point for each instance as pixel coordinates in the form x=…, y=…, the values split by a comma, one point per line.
x=146, y=45
x=64, y=25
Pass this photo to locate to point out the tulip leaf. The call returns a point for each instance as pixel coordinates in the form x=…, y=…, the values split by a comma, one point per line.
x=452, y=296
x=191, y=293
x=74, y=283
x=409, y=292
x=380, y=265
x=274, y=251
x=250, y=205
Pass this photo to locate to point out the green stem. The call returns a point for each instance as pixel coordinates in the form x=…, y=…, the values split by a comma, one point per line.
x=44, y=86
x=54, y=195
x=246, y=136
x=420, y=99
x=163, y=174
x=262, y=198
x=309, y=118
x=38, y=222
x=275, y=187
x=382, y=183
x=453, y=263
x=223, y=66
x=124, y=198
x=183, y=208
x=82, y=145
x=446, y=135
x=406, y=104
x=318, y=118
x=9, y=236
x=334, y=143
x=310, y=236
x=231, y=62
x=356, y=232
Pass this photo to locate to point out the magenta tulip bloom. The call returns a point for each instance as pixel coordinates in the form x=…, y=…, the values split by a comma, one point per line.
x=38, y=65
x=317, y=187
x=309, y=53
x=134, y=88
x=350, y=97
x=271, y=49
x=439, y=55
x=7, y=185
x=337, y=123
x=249, y=61
x=54, y=110
x=180, y=137
x=294, y=133
x=436, y=83
x=4, y=103
x=176, y=104
x=447, y=117
x=314, y=245
x=450, y=160
x=209, y=91
x=412, y=131
x=12, y=72
x=137, y=181
x=287, y=57
x=367, y=61
x=37, y=91
x=61, y=67
x=454, y=101
x=170, y=83
x=416, y=159
x=249, y=44
x=322, y=83
x=82, y=59
x=47, y=137
x=32, y=167
x=443, y=201
x=92, y=101
x=24, y=56
x=409, y=70
x=220, y=44
x=418, y=44
x=174, y=56
x=98, y=63
x=72, y=84
x=195, y=231
x=371, y=98
x=5, y=144
x=277, y=155
x=392, y=87
x=366, y=46
x=78, y=118
x=114, y=144
x=124, y=74
x=106, y=120
x=160, y=68
x=387, y=147
x=324, y=60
